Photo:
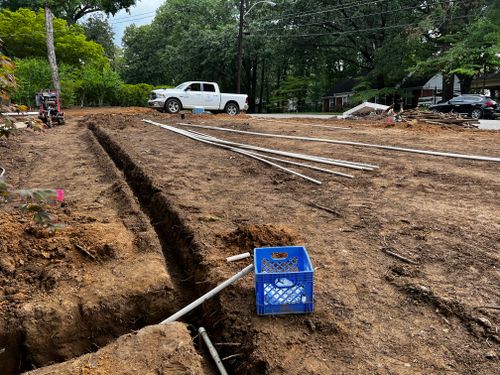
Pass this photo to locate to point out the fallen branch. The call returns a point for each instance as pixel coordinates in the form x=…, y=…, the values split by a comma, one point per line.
x=228, y=343
x=327, y=209
x=85, y=251
x=400, y=257
x=232, y=356
x=489, y=307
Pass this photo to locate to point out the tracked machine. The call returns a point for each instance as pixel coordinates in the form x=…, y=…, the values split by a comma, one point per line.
x=49, y=108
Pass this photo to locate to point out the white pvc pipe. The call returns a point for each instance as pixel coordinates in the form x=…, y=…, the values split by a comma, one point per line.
x=212, y=350
x=234, y=258
x=305, y=165
x=224, y=144
x=342, y=163
x=208, y=295
x=19, y=114
x=198, y=138
x=360, y=144
x=250, y=155
x=304, y=124
x=2, y=172
x=297, y=155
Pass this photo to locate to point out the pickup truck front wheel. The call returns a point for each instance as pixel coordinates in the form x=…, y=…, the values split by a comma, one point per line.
x=232, y=109
x=172, y=106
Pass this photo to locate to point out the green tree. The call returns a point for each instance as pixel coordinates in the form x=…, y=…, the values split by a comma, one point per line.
x=7, y=80
x=98, y=29
x=33, y=75
x=186, y=40
x=25, y=37
x=97, y=86
x=444, y=26
x=71, y=10
x=471, y=51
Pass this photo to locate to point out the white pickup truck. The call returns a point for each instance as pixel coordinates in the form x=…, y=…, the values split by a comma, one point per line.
x=193, y=94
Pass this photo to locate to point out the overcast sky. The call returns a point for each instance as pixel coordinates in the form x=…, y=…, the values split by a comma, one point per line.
x=141, y=14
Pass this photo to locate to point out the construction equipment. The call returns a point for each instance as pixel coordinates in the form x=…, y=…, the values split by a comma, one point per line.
x=49, y=107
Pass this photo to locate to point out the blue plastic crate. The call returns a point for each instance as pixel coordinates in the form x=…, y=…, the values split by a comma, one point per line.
x=284, y=280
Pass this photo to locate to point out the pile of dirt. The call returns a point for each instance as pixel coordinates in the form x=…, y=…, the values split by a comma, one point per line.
x=248, y=237
x=166, y=348
x=29, y=262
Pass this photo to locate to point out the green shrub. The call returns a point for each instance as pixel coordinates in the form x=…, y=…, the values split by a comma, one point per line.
x=33, y=75
x=133, y=95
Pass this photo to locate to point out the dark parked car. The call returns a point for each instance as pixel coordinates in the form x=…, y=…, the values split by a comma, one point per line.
x=475, y=106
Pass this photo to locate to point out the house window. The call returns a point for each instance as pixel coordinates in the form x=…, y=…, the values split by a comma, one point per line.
x=344, y=100
x=331, y=104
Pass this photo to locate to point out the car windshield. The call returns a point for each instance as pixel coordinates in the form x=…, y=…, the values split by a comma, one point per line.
x=182, y=86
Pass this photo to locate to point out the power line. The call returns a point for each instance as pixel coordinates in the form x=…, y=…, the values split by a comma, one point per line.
x=394, y=11
x=135, y=15
x=131, y=20
x=354, y=31
x=305, y=14
x=303, y=35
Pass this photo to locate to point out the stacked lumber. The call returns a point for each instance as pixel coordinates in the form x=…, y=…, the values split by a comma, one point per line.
x=437, y=118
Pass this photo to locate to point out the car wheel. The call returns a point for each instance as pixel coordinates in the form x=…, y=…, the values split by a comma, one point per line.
x=476, y=113
x=173, y=106
x=232, y=109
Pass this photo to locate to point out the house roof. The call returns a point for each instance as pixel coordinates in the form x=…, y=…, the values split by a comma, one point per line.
x=414, y=82
x=344, y=85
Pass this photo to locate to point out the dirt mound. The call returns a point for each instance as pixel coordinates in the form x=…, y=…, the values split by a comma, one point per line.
x=28, y=263
x=248, y=237
x=172, y=353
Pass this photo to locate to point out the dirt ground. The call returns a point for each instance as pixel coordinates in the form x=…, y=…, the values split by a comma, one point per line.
x=374, y=313
x=173, y=354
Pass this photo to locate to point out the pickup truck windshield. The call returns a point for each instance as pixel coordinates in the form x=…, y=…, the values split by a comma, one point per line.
x=182, y=86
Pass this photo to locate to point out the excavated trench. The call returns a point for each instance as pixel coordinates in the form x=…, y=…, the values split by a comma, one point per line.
x=50, y=331
x=58, y=339
x=183, y=256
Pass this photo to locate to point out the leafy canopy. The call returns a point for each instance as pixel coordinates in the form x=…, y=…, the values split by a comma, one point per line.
x=24, y=36
x=71, y=10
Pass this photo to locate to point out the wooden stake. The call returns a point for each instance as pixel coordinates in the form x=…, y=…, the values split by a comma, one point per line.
x=400, y=257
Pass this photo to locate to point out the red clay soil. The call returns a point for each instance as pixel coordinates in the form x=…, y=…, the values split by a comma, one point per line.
x=164, y=349
x=101, y=275
x=374, y=313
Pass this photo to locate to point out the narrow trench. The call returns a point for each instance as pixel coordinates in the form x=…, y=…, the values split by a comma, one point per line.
x=184, y=262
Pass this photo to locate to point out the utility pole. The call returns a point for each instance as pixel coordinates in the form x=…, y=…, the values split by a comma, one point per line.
x=51, y=52
x=240, y=47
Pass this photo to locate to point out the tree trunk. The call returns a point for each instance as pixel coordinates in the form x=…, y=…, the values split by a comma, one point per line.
x=465, y=84
x=51, y=52
x=448, y=83
x=253, y=86
x=262, y=75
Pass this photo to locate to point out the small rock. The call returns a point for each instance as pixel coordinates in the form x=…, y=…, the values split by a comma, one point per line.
x=423, y=288
x=7, y=264
x=10, y=290
x=485, y=322
x=18, y=297
x=491, y=355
